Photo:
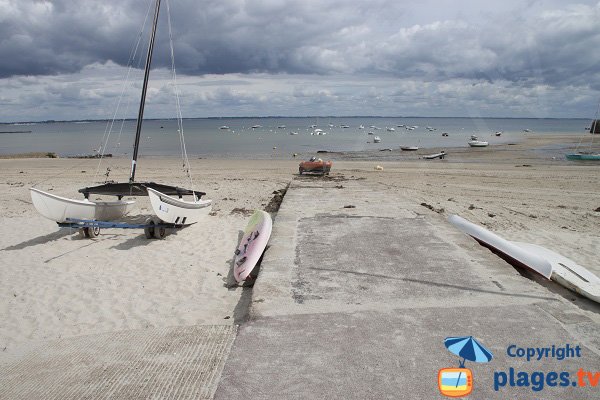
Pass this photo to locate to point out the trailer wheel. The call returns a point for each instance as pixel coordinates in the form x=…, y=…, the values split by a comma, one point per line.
x=160, y=232
x=93, y=231
x=149, y=228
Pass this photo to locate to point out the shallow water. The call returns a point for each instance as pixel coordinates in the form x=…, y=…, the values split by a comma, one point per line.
x=273, y=139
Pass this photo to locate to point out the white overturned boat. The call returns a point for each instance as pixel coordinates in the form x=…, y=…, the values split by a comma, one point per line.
x=409, y=148
x=177, y=211
x=545, y=262
x=59, y=209
x=478, y=143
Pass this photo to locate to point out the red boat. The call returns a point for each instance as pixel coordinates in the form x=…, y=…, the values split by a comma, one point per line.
x=315, y=166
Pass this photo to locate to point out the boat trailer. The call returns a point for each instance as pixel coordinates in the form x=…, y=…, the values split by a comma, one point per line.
x=89, y=228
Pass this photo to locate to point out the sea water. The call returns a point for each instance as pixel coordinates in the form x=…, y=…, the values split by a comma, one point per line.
x=271, y=136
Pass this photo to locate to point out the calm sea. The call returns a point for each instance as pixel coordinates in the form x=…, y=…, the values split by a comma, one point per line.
x=271, y=137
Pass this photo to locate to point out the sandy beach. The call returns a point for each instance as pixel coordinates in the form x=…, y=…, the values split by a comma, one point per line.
x=55, y=284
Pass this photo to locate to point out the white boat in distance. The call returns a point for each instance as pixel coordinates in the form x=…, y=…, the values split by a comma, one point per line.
x=478, y=143
x=409, y=148
x=176, y=211
x=59, y=209
x=224, y=127
x=376, y=139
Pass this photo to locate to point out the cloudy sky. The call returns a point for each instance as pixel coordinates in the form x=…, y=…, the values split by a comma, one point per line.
x=65, y=59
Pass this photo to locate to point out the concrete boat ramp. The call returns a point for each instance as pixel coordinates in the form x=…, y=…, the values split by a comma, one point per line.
x=355, y=296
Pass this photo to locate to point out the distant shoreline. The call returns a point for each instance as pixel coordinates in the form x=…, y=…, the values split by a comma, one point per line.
x=283, y=116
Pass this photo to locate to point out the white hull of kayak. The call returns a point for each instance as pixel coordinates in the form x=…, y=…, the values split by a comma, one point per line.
x=567, y=272
x=509, y=249
x=176, y=211
x=59, y=209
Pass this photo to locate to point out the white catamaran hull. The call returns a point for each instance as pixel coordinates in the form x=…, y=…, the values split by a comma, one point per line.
x=175, y=211
x=59, y=209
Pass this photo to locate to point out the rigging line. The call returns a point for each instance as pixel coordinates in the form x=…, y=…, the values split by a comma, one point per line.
x=129, y=99
x=178, y=103
x=174, y=78
x=130, y=62
x=48, y=178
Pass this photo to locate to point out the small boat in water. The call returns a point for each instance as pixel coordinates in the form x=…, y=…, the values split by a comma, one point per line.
x=478, y=143
x=376, y=139
x=583, y=156
x=409, y=148
x=439, y=155
x=224, y=127
x=315, y=166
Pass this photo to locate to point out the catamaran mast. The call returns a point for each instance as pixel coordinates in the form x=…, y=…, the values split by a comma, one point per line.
x=138, y=129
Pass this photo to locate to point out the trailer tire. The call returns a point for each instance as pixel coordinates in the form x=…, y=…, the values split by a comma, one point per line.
x=160, y=232
x=93, y=232
x=149, y=228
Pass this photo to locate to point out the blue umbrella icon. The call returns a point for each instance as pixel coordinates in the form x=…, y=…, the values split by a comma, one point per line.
x=469, y=349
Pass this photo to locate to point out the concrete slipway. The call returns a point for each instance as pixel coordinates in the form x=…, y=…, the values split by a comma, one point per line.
x=355, y=296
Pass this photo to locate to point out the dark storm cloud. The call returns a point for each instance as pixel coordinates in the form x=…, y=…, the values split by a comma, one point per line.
x=521, y=43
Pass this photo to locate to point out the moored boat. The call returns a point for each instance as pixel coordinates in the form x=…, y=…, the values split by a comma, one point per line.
x=478, y=143
x=583, y=156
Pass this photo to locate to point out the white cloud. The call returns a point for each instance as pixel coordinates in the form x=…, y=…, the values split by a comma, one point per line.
x=307, y=57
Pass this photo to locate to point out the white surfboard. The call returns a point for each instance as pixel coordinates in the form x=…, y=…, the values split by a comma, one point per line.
x=252, y=245
x=528, y=259
x=567, y=272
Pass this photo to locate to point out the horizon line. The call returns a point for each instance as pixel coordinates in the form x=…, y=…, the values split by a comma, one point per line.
x=279, y=116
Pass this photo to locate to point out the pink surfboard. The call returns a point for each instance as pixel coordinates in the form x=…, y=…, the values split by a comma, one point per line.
x=253, y=244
